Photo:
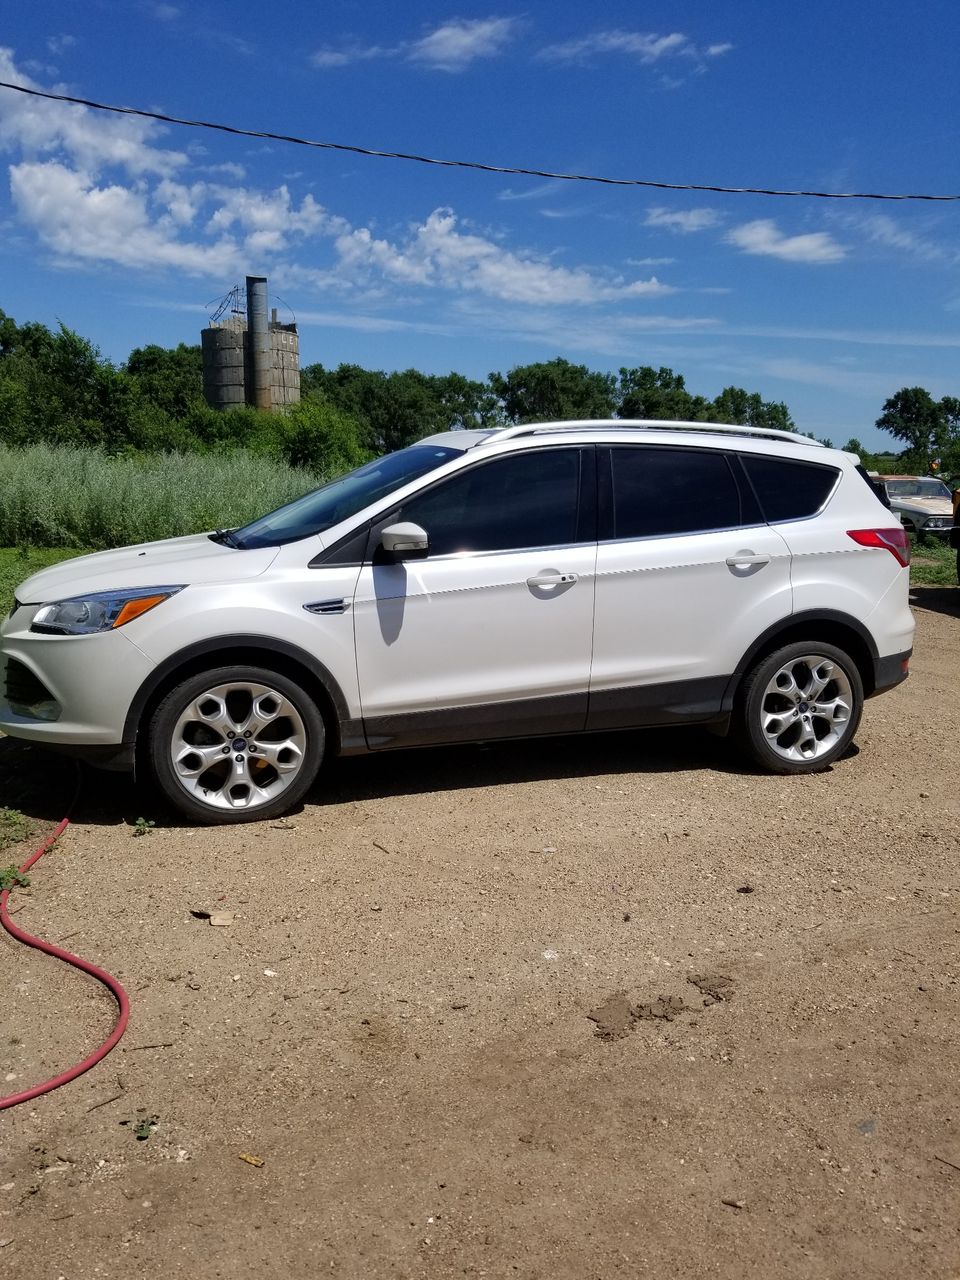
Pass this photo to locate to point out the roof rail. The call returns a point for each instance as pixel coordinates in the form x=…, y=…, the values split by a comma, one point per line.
x=650, y=424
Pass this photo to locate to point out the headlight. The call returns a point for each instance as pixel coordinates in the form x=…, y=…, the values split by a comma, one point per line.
x=100, y=611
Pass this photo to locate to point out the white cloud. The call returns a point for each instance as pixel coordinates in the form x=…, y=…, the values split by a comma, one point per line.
x=529, y=193
x=93, y=189
x=326, y=57
x=232, y=170
x=645, y=47
x=682, y=220
x=456, y=44
x=880, y=228
x=88, y=139
x=182, y=203
x=451, y=47
x=370, y=324
x=862, y=337
x=570, y=212
x=59, y=44
x=764, y=238
x=165, y=12
x=264, y=213
x=81, y=221
x=624, y=338
x=438, y=254
x=650, y=262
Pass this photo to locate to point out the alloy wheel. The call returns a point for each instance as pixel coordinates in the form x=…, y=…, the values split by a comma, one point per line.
x=806, y=707
x=238, y=746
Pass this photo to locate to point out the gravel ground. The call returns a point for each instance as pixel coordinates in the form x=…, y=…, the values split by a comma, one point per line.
x=582, y=1008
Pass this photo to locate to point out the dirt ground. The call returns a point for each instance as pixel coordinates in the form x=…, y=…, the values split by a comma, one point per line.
x=604, y=1007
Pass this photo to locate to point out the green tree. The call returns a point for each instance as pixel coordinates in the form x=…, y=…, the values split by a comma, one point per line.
x=734, y=405
x=320, y=437
x=554, y=390
x=466, y=404
x=67, y=392
x=170, y=378
x=646, y=392
x=923, y=424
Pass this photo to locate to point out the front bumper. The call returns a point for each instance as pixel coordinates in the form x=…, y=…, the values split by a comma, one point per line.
x=67, y=691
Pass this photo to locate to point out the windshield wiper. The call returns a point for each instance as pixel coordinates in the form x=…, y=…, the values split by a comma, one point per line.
x=225, y=538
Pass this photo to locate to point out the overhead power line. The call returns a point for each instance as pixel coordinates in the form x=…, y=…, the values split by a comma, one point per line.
x=512, y=170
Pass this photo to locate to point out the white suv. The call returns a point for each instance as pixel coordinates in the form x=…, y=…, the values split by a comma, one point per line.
x=478, y=585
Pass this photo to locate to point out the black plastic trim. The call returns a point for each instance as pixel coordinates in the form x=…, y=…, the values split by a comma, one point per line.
x=890, y=671
x=671, y=702
x=521, y=718
x=217, y=646
x=119, y=758
x=346, y=552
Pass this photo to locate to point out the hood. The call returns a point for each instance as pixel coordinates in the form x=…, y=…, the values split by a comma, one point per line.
x=172, y=562
x=928, y=506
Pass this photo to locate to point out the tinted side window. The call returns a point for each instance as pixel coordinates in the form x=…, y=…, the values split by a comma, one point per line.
x=671, y=491
x=788, y=490
x=526, y=500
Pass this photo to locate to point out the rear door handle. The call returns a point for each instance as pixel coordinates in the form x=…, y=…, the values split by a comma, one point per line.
x=744, y=558
x=551, y=579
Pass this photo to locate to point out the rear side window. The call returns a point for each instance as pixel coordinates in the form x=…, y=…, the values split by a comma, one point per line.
x=658, y=492
x=788, y=490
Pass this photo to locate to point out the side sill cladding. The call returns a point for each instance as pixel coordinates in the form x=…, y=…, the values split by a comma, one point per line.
x=222, y=648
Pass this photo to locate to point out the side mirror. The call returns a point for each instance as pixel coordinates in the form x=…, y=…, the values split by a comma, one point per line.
x=406, y=541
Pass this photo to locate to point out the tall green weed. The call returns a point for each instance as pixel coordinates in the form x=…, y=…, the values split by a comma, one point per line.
x=64, y=496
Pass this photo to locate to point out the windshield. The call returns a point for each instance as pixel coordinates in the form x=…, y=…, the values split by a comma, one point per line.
x=327, y=506
x=920, y=487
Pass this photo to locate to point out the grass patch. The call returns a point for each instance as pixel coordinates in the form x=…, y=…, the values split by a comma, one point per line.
x=15, y=827
x=933, y=564
x=17, y=563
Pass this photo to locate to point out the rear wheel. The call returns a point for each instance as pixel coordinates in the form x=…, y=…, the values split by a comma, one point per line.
x=800, y=707
x=235, y=744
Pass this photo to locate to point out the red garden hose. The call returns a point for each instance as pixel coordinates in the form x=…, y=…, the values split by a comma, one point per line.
x=100, y=974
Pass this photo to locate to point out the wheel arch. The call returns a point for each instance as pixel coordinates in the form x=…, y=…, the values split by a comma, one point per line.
x=826, y=625
x=263, y=651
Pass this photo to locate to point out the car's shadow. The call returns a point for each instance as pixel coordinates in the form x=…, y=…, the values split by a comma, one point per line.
x=937, y=600
x=43, y=784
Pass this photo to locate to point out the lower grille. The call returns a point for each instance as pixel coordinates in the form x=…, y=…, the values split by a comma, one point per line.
x=27, y=695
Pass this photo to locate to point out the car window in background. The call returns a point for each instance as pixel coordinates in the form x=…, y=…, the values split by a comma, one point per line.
x=528, y=500
x=325, y=507
x=659, y=492
x=788, y=490
x=921, y=487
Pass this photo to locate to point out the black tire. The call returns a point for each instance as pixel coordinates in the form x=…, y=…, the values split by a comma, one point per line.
x=758, y=703
x=272, y=790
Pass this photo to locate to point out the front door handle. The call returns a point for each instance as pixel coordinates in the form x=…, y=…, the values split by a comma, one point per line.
x=743, y=559
x=551, y=579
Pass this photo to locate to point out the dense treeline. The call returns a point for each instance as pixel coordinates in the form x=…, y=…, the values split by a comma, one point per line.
x=55, y=388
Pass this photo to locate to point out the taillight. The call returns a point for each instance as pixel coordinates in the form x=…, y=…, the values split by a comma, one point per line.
x=893, y=540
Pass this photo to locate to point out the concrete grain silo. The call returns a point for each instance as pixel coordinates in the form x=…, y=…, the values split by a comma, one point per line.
x=248, y=359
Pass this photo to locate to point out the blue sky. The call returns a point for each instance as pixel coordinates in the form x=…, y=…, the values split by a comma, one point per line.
x=124, y=230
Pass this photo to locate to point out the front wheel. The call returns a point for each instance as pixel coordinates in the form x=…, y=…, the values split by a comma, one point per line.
x=235, y=744
x=800, y=707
